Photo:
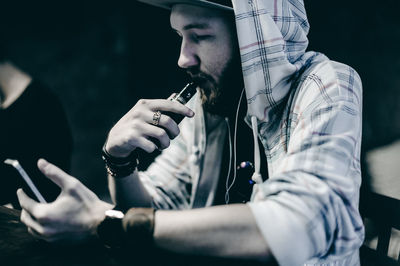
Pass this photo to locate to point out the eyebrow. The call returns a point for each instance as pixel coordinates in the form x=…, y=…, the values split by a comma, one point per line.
x=196, y=26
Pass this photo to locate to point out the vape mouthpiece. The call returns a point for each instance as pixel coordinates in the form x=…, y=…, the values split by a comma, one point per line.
x=182, y=97
x=186, y=93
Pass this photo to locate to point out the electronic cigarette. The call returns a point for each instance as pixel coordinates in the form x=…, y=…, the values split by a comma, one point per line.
x=182, y=97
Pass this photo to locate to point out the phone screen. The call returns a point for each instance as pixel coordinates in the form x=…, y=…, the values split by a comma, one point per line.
x=26, y=178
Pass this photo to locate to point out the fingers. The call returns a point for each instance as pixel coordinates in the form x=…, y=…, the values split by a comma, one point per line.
x=26, y=202
x=146, y=145
x=167, y=106
x=157, y=133
x=165, y=122
x=27, y=219
x=36, y=229
x=34, y=232
x=54, y=173
x=170, y=125
x=136, y=129
x=34, y=208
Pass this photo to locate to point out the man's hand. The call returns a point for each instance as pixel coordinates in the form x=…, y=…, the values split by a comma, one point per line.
x=135, y=129
x=73, y=216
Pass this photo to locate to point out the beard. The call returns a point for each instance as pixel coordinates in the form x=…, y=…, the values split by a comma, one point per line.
x=221, y=97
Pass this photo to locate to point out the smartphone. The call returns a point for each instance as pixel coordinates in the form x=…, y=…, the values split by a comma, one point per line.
x=26, y=178
x=183, y=97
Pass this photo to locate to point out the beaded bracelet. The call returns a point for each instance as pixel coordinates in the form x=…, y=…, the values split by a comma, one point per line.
x=119, y=167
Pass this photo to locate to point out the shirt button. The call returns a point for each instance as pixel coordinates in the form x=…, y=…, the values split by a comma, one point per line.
x=195, y=150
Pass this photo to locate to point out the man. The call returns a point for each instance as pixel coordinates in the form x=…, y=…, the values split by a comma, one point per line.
x=305, y=110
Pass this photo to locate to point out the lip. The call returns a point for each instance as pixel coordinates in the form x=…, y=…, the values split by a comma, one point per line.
x=198, y=78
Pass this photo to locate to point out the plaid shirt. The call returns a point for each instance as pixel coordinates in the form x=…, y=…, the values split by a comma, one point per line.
x=308, y=110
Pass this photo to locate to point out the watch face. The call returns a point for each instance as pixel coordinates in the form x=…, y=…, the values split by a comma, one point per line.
x=114, y=214
x=110, y=230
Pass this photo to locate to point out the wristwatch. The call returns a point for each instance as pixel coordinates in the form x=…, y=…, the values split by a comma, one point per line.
x=133, y=229
x=110, y=230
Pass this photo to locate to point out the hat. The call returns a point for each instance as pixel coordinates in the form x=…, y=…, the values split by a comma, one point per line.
x=167, y=4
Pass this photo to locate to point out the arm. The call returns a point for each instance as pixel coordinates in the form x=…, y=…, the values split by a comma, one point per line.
x=75, y=215
x=77, y=211
x=135, y=130
x=313, y=188
x=223, y=231
x=129, y=191
x=166, y=184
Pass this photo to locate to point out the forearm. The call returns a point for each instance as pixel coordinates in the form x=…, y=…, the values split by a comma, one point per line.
x=223, y=231
x=129, y=191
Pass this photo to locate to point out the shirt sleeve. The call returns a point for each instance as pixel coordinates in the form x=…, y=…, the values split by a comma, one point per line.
x=168, y=178
x=308, y=208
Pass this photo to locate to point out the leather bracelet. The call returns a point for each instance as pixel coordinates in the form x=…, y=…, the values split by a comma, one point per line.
x=119, y=167
x=118, y=160
x=120, y=172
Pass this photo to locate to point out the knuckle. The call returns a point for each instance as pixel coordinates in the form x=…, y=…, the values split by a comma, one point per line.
x=126, y=140
x=73, y=187
x=142, y=102
x=151, y=148
x=135, y=125
x=160, y=134
x=41, y=215
x=137, y=113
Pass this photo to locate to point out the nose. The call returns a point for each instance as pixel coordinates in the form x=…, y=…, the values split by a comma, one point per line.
x=188, y=57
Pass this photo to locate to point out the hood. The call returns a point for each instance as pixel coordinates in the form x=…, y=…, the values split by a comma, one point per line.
x=272, y=37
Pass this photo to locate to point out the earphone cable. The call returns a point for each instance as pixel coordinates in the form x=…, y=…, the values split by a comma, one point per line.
x=227, y=186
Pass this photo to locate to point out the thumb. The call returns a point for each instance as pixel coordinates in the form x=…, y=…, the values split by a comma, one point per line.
x=54, y=173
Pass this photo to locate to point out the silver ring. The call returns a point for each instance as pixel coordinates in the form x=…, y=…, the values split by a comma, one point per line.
x=156, y=118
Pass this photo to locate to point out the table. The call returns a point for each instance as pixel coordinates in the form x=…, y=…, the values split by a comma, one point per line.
x=18, y=247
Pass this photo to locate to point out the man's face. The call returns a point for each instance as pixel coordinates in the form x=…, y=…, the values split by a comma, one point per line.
x=208, y=51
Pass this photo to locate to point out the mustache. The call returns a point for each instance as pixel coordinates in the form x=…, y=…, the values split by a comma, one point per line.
x=200, y=77
x=197, y=75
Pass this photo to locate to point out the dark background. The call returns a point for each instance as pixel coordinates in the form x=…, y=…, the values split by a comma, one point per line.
x=100, y=57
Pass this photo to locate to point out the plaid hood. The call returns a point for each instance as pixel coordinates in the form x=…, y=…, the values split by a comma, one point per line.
x=272, y=38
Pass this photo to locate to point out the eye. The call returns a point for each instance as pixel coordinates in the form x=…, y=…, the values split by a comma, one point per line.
x=198, y=38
